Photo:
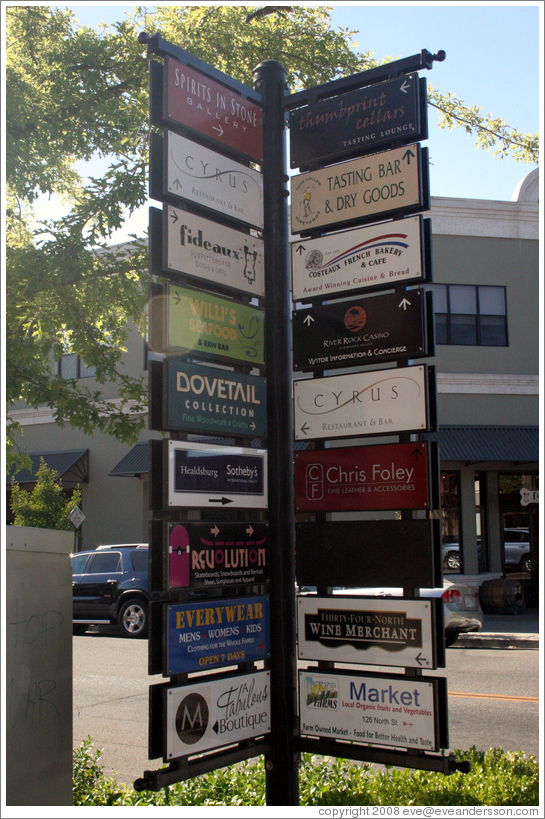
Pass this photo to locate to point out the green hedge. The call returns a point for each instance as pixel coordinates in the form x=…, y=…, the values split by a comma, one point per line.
x=497, y=777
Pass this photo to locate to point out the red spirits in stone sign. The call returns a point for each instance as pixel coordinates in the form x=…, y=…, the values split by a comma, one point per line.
x=195, y=101
x=391, y=476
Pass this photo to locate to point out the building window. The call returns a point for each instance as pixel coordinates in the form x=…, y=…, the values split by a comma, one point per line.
x=469, y=314
x=72, y=366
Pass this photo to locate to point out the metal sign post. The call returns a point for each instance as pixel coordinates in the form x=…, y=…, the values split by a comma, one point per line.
x=282, y=781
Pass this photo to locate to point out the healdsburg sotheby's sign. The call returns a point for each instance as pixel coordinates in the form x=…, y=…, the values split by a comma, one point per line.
x=353, y=260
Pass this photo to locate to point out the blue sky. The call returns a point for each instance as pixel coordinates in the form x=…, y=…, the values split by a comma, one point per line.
x=493, y=61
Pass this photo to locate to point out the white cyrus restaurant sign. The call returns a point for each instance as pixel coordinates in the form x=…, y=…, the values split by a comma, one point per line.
x=214, y=181
x=368, y=403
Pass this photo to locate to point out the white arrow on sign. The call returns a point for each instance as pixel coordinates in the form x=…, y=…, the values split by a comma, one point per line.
x=308, y=320
x=249, y=530
x=215, y=531
x=404, y=303
x=405, y=87
x=218, y=128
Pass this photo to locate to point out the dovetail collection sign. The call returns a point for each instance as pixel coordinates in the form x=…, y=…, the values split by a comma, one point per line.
x=212, y=400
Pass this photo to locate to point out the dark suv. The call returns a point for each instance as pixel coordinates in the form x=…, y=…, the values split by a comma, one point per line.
x=110, y=585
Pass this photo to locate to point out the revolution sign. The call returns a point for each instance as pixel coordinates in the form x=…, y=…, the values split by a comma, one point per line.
x=197, y=102
x=206, y=250
x=360, y=331
x=361, y=190
x=359, y=121
x=373, y=402
x=368, y=630
x=208, y=179
x=209, y=476
x=203, y=555
x=213, y=634
x=213, y=712
x=211, y=327
x=360, y=259
x=401, y=712
x=344, y=479
x=216, y=401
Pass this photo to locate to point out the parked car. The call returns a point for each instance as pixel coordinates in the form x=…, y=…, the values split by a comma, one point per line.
x=461, y=605
x=110, y=586
x=517, y=549
x=517, y=552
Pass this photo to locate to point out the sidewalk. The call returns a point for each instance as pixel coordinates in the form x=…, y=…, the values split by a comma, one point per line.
x=504, y=631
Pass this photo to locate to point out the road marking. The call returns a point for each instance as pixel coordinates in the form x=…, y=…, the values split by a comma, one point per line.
x=494, y=697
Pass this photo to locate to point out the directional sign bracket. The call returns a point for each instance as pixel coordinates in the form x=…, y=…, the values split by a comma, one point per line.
x=157, y=45
x=373, y=75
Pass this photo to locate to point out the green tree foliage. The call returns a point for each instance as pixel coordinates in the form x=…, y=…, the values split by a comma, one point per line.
x=46, y=506
x=75, y=93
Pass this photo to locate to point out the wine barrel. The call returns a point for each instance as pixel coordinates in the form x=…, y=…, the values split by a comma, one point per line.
x=502, y=594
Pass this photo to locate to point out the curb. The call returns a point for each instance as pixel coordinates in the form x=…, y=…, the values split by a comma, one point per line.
x=505, y=641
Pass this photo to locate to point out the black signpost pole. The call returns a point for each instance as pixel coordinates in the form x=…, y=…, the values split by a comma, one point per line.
x=282, y=785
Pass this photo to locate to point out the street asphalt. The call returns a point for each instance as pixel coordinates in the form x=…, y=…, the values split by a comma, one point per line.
x=509, y=630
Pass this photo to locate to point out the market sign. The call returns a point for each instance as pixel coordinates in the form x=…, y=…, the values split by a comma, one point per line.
x=196, y=174
x=213, y=712
x=209, y=476
x=369, y=630
x=212, y=554
x=215, y=401
x=360, y=331
x=358, y=122
x=195, y=101
x=396, y=711
x=361, y=259
x=369, y=553
x=361, y=190
x=197, y=247
x=375, y=402
x=216, y=633
x=212, y=327
x=387, y=476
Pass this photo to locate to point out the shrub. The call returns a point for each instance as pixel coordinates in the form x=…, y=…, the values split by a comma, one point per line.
x=497, y=777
